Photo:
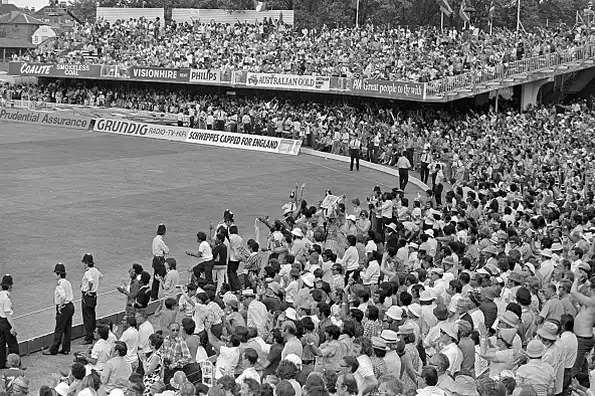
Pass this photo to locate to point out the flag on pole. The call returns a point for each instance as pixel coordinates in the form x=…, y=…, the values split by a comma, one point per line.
x=463, y=12
x=445, y=7
x=492, y=11
x=260, y=6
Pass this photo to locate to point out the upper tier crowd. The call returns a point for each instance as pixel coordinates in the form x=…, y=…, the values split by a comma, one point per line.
x=416, y=55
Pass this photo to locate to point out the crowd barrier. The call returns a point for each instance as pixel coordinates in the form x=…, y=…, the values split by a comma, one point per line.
x=399, y=90
x=128, y=127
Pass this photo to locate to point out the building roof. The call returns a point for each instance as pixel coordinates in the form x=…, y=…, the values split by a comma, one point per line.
x=7, y=8
x=14, y=43
x=17, y=17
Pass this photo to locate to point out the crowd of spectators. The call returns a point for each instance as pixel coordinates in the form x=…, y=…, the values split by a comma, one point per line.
x=399, y=53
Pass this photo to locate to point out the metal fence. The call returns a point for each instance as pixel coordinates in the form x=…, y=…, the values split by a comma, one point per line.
x=500, y=72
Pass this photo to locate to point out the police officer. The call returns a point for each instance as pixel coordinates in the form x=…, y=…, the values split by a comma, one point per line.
x=8, y=328
x=63, y=297
x=89, y=287
x=355, y=145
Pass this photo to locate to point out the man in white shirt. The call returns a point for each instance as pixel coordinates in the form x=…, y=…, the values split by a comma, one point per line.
x=350, y=260
x=145, y=329
x=205, y=256
x=403, y=165
x=448, y=337
x=256, y=312
x=130, y=337
x=89, y=288
x=160, y=250
x=101, y=351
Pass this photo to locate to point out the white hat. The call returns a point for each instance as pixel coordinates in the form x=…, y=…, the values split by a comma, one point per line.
x=291, y=313
x=392, y=226
x=414, y=245
x=351, y=217
x=247, y=292
x=430, y=232
x=395, y=313
x=370, y=249
x=298, y=232
x=62, y=389
x=308, y=279
x=295, y=359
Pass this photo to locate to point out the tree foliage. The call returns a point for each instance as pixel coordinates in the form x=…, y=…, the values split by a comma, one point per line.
x=316, y=13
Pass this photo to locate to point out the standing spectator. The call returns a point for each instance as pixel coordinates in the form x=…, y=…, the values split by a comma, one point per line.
x=63, y=297
x=89, y=287
x=235, y=246
x=355, y=145
x=8, y=328
x=404, y=165
x=160, y=249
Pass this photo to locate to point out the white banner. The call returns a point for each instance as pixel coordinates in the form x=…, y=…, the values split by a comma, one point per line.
x=133, y=128
x=199, y=136
x=245, y=142
x=204, y=75
x=288, y=81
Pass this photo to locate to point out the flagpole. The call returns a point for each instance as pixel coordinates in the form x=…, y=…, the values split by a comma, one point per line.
x=518, y=16
x=357, y=15
x=441, y=20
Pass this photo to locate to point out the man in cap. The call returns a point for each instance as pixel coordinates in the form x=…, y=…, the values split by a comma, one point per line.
x=8, y=328
x=160, y=250
x=89, y=287
x=63, y=297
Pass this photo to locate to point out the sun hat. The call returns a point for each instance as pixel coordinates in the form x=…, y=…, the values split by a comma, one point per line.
x=463, y=303
x=291, y=313
x=295, y=359
x=548, y=331
x=415, y=310
x=392, y=226
x=509, y=318
x=535, y=349
x=395, y=313
x=430, y=232
x=247, y=292
x=407, y=328
x=308, y=279
x=490, y=249
x=516, y=277
x=426, y=296
x=275, y=287
x=557, y=246
x=508, y=335
x=547, y=253
x=389, y=336
x=414, y=245
x=450, y=329
x=379, y=343
x=297, y=232
x=351, y=217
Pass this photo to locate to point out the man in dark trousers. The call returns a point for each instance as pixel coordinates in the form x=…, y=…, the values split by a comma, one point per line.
x=63, y=297
x=8, y=329
x=160, y=249
x=404, y=165
x=355, y=145
x=89, y=287
x=425, y=161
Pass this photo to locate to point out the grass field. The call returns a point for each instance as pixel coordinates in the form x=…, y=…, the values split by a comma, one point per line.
x=68, y=192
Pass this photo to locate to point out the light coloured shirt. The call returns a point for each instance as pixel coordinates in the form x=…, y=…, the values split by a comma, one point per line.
x=5, y=304
x=92, y=277
x=364, y=370
x=556, y=357
x=455, y=357
x=371, y=274
x=159, y=247
x=350, y=260
x=63, y=293
x=250, y=372
x=235, y=241
x=100, y=351
x=292, y=346
x=131, y=337
x=403, y=163
x=257, y=316
x=144, y=331
x=569, y=344
x=205, y=249
x=538, y=375
x=171, y=280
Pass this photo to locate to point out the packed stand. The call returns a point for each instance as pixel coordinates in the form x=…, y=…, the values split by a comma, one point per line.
x=420, y=55
x=485, y=289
